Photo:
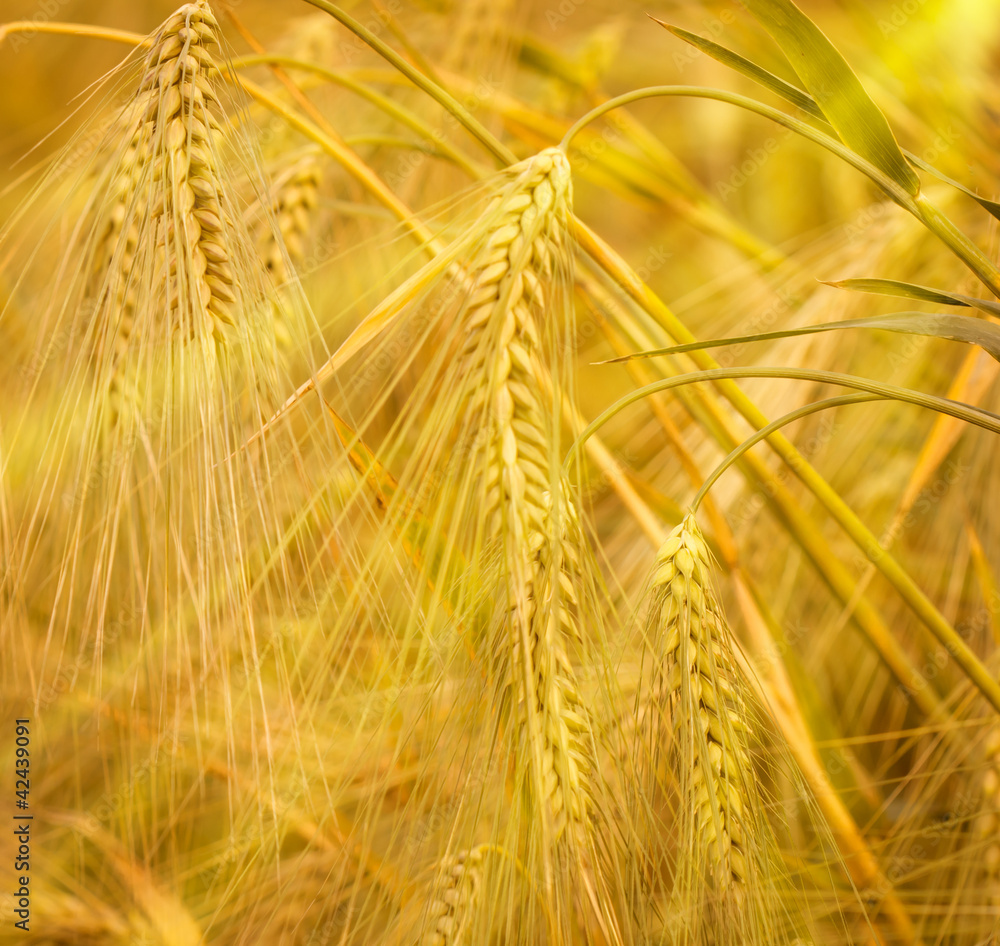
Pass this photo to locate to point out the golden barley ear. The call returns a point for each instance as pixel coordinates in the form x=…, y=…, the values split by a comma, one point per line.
x=188, y=205
x=170, y=358
x=171, y=261
x=295, y=195
x=509, y=398
x=727, y=862
x=167, y=179
x=454, y=896
x=483, y=457
x=508, y=370
x=283, y=248
x=702, y=691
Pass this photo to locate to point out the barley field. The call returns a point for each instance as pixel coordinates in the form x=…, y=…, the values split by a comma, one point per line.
x=500, y=473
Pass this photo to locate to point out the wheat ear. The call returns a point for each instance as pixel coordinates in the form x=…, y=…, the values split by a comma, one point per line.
x=503, y=346
x=115, y=257
x=181, y=100
x=728, y=852
x=295, y=196
x=167, y=185
x=170, y=262
x=453, y=899
x=513, y=325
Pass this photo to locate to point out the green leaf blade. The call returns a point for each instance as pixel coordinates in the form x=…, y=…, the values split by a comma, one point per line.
x=992, y=207
x=957, y=328
x=893, y=287
x=742, y=65
x=835, y=87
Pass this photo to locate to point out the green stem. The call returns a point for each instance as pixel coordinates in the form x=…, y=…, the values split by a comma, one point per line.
x=422, y=82
x=403, y=115
x=932, y=218
x=956, y=241
x=883, y=181
x=701, y=405
x=661, y=315
x=766, y=432
x=946, y=635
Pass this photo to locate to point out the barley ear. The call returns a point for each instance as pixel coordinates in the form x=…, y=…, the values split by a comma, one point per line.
x=172, y=261
x=453, y=899
x=504, y=347
x=514, y=313
x=294, y=198
x=504, y=352
x=186, y=202
x=726, y=867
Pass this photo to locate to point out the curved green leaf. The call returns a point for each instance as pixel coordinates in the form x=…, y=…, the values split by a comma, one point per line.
x=804, y=101
x=893, y=287
x=990, y=206
x=835, y=87
x=958, y=328
x=983, y=678
x=760, y=75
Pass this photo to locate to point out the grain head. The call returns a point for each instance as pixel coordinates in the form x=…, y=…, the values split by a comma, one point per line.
x=727, y=860
x=453, y=899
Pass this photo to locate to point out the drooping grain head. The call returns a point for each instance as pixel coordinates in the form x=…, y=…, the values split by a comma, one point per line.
x=557, y=721
x=166, y=362
x=508, y=369
x=295, y=196
x=504, y=349
x=497, y=395
x=701, y=694
x=186, y=206
x=164, y=255
x=174, y=265
x=283, y=234
x=453, y=899
x=729, y=884
x=511, y=401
